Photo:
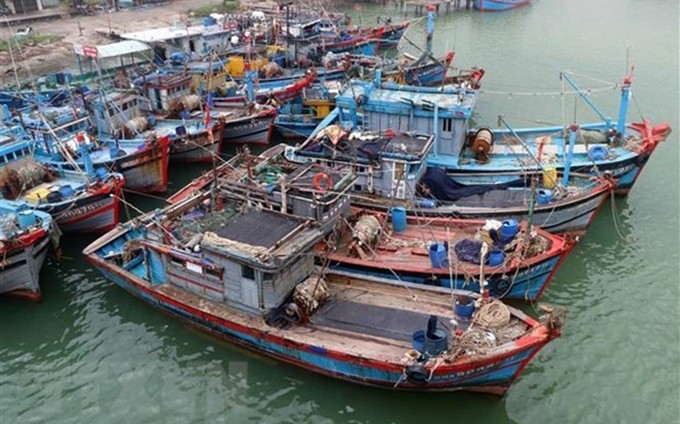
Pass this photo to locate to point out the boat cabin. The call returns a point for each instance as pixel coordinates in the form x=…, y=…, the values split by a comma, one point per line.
x=14, y=145
x=386, y=164
x=442, y=112
x=250, y=261
x=49, y=124
x=116, y=110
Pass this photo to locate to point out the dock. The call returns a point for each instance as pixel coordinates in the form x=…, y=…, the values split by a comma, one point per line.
x=441, y=6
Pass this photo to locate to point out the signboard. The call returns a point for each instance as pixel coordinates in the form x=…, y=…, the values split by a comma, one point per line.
x=90, y=51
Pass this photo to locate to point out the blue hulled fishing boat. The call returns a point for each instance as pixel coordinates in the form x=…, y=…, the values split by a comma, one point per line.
x=25, y=239
x=249, y=278
x=498, y=5
x=77, y=201
x=390, y=162
x=616, y=148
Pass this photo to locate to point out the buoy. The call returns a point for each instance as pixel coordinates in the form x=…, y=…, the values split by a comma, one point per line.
x=481, y=144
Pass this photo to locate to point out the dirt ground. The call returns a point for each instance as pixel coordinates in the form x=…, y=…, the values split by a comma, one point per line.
x=53, y=57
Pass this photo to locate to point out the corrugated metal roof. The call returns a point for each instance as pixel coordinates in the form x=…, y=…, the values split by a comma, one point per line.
x=121, y=48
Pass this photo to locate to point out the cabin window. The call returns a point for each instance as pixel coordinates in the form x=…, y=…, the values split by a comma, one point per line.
x=267, y=277
x=361, y=170
x=357, y=187
x=176, y=261
x=213, y=272
x=447, y=124
x=247, y=272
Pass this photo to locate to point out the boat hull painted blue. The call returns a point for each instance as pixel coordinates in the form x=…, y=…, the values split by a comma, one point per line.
x=527, y=284
x=488, y=376
x=498, y=5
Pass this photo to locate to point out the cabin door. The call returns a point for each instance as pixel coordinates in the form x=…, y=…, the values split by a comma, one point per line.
x=399, y=180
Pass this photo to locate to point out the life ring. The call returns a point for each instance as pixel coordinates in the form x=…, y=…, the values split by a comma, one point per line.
x=417, y=374
x=322, y=182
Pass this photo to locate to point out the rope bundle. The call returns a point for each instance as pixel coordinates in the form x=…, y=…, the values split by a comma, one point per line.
x=493, y=315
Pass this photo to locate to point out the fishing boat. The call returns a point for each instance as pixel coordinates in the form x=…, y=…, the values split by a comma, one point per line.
x=25, y=239
x=76, y=201
x=444, y=252
x=391, y=172
x=249, y=278
x=498, y=5
x=269, y=181
x=238, y=96
x=209, y=124
x=60, y=132
x=299, y=118
x=618, y=149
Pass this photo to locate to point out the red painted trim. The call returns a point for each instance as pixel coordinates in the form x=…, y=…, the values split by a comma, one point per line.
x=24, y=294
x=537, y=338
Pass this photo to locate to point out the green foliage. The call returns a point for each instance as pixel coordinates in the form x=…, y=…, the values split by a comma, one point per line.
x=225, y=6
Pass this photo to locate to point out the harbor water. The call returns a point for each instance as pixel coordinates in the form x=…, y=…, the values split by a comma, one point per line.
x=89, y=352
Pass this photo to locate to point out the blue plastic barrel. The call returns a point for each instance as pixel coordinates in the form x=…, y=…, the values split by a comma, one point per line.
x=26, y=219
x=464, y=307
x=496, y=257
x=436, y=344
x=418, y=340
x=508, y=230
x=545, y=196
x=151, y=119
x=597, y=153
x=438, y=255
x=399, y=224
x=66, y=191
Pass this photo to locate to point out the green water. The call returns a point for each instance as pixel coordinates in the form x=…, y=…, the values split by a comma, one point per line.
x=91, y=353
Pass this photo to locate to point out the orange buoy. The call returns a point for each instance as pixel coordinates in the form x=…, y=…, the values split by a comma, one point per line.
x=322, y=182
x=481, y=144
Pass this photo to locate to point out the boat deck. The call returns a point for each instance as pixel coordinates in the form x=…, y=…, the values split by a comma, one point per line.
x=366, y=319
x=409, y=250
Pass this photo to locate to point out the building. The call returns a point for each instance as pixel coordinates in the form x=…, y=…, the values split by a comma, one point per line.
x=20, y=6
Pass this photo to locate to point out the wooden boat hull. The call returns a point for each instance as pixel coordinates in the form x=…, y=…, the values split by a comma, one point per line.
x=98, y=212
x=250, y=130
x=20, y=270
x=294, y=127
x=280, y=94
x=198, y=148
x=625, y=168
x=527, y=283
x=567, y=216
x=492, y=375
x=498, y=5
x=146, y=170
